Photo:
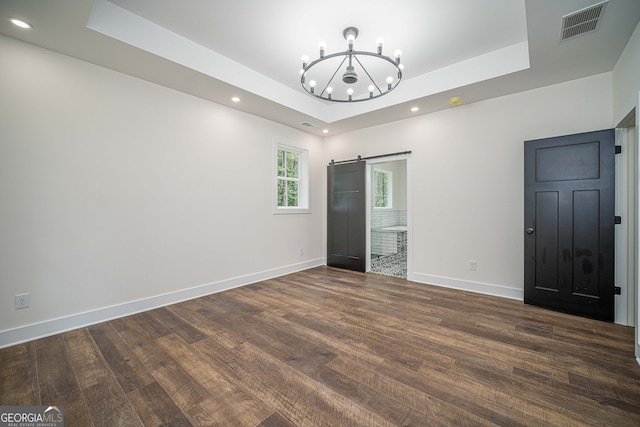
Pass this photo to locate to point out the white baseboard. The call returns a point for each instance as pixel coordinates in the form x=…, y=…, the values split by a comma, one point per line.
x=481, y=288
x=46, y=328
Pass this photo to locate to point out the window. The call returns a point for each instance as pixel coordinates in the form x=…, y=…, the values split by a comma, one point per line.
x=288, y=178
x=382, y=189
x=292, y=182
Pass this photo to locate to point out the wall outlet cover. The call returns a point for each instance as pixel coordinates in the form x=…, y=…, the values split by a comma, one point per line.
x=23, y=301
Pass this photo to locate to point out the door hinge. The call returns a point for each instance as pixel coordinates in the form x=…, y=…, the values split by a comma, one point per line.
x=617, y=290
x=618, y=219
x=618, y=149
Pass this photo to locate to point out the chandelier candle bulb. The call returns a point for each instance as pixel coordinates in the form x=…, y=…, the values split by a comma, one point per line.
x=305, y=61
x=322, y=46
x=350, y=40
x=397, y=54
x=379, y=43
x=312, y=85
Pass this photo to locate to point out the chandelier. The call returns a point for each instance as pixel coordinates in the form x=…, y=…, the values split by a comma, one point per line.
x=364, y=75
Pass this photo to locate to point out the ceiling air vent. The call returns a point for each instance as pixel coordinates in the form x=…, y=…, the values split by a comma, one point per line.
x=308, y=125
x=583, y=21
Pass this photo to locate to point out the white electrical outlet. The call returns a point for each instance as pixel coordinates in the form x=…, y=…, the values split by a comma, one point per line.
x=23, y=301
x=473, y=265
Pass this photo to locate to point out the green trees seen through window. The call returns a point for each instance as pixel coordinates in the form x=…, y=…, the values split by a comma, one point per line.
x=288, y=178
x=382, y=189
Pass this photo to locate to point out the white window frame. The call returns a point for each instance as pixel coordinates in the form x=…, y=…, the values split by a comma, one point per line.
x=389, y=188
x=303, y=180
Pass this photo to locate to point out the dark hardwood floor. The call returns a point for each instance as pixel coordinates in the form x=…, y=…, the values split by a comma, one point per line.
x=328, y=347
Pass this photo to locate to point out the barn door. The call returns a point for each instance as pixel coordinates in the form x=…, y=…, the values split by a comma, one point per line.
x=346, y=216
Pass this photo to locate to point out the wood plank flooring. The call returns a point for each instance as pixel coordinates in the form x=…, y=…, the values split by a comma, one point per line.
x=329, y=347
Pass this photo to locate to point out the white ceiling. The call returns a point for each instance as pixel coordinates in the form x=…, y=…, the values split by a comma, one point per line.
x=252, y=48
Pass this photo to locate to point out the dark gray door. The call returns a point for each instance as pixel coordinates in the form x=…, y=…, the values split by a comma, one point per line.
x=569, y=223
x=346, y=216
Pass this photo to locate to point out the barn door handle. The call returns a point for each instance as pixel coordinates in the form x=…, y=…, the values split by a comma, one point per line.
x=529, y=230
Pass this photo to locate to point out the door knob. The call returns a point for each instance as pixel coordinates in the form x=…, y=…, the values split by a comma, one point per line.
x=529, y=230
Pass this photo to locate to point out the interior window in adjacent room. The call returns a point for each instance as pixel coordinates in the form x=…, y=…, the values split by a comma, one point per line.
x=382, y=189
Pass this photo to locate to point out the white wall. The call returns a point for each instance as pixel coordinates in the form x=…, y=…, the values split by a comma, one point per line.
x=467, y=165
x=117, y=195
x=626, y=78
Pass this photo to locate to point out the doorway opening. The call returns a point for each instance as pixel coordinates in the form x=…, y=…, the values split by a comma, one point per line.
x=388, y=216
x=627, y=232
x=626, y=207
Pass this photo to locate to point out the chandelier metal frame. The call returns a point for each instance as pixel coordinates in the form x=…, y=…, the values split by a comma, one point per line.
x=350, y=76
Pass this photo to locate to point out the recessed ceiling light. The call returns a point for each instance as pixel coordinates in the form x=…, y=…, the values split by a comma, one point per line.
x=235, y=99
x=456, y=100
x=20, y=23
x=325, y=130
x=414, y=109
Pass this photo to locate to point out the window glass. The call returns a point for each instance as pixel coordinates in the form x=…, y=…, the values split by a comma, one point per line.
x=291, y=166
x=382, y=189
x=292, y=193
x=281, y=155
